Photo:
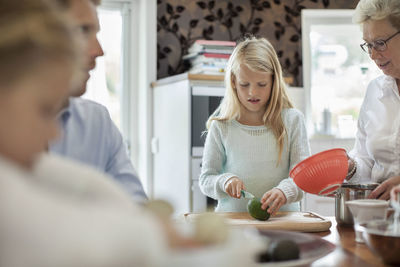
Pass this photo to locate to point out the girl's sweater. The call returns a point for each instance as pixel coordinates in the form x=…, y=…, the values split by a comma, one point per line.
x=251, y=154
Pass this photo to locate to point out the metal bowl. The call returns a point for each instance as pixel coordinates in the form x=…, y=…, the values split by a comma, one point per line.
x=348, y=192
x=382, y=238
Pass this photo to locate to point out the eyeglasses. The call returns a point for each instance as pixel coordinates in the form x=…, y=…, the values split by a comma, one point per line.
x=378, y=45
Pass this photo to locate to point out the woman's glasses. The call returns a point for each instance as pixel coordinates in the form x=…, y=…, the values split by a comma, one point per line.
x=378, y=45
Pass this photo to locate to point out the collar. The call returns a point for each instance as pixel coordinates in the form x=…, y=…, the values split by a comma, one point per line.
x=388, y=87
x=65, y=113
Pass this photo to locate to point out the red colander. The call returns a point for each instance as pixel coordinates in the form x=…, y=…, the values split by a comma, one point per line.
x=322, y=173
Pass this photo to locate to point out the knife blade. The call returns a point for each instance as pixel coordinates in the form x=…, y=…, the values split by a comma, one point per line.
x=246, y=194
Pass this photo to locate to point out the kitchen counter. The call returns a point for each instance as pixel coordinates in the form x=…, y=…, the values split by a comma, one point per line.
x=348, y=252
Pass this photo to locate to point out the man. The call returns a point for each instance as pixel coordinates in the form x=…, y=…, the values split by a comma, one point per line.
x=89, y=135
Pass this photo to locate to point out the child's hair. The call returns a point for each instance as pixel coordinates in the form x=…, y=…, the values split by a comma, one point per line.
x=68, y=3
x=258, y=55
x=33, y=32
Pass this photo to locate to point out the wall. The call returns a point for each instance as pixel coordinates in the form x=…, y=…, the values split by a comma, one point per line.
x=181, y=22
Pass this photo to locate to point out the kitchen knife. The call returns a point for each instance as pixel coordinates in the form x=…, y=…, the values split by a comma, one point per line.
x=246, y=194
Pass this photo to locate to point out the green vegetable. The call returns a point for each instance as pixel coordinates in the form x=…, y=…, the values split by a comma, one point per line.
x=265, y=256
x=279, y=250
x=284, y=250
x=254, y=209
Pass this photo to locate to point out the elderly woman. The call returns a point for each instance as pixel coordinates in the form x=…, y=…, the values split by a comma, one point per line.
x=376, y=155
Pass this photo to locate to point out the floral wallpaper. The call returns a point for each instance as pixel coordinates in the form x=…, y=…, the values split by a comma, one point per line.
x=181, y=22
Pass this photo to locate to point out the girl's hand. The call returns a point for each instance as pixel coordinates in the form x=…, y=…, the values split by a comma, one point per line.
x=275, y=199
x=233, y=187
x=383, y=190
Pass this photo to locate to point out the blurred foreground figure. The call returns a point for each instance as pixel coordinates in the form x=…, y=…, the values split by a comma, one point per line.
x=54, y=212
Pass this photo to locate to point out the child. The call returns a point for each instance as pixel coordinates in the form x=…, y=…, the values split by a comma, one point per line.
x=255, y=137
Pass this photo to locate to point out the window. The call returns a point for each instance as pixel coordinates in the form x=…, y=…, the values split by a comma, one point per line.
x=107, y=85
x=336, y=72
x=128, y=36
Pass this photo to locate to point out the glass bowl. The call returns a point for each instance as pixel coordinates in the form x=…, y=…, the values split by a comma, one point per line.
x=383, y=239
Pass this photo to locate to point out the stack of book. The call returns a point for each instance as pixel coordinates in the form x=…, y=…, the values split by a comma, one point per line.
x=209, y=56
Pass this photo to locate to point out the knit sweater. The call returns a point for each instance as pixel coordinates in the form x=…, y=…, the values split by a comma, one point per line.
x=251, y=153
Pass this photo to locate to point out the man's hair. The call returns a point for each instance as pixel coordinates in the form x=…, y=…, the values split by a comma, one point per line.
x=67, y=3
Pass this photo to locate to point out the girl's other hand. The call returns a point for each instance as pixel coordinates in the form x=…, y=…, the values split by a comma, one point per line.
x=275, y=199
x=233, y=187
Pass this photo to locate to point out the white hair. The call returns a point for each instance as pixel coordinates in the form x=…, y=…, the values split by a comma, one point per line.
x=377, y=10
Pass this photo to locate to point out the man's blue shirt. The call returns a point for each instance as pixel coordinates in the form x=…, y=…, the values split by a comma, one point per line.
x=90, y=136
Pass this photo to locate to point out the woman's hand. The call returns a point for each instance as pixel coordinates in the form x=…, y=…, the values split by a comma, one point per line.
x=350, y=163
x=275, y=199
x=383, y=190
x=233, y=187
x=393, y=193
x=351, y=169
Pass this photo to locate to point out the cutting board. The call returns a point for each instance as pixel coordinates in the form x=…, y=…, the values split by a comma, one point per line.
x=284, y=220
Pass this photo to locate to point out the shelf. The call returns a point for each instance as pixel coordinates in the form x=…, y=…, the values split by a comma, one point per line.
x=198, y=77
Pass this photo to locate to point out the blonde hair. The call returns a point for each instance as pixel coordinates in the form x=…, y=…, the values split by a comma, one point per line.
x=258, y=55
x=377, y=10
x=33, y=32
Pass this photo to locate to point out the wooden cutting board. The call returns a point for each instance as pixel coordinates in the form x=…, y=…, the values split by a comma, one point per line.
x=284, y=220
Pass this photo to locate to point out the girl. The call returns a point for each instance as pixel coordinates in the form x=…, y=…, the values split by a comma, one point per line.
x=255, y=137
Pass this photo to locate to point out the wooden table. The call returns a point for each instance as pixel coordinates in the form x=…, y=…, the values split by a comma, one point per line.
x=348, y=252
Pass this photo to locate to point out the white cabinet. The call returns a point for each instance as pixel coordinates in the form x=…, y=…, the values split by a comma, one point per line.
x=175, y=169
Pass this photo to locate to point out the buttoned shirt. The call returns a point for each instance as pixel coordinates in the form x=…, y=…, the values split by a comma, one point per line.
x=90, y=136
x=377, y=147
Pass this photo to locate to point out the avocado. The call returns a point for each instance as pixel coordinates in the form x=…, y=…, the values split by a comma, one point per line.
x=254, y=209
x=284, y=250
x=264, y=257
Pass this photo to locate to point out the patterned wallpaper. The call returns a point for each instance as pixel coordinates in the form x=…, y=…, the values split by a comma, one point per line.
x=181, y=22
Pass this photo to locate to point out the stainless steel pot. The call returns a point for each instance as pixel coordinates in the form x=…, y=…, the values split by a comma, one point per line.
x=350, y=192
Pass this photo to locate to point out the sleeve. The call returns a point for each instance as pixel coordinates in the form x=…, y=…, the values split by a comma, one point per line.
x=54, y=230
x=359, y=153
x=299, y=149
x=120, y=167
x=212, y=179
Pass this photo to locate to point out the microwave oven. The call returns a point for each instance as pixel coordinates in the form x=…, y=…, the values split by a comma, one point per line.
x=205, y=100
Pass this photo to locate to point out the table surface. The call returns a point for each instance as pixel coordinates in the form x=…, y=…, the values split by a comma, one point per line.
x=348, y=252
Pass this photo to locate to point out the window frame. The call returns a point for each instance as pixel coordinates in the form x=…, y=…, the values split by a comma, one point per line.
x=310, y=17
x=139, y=49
